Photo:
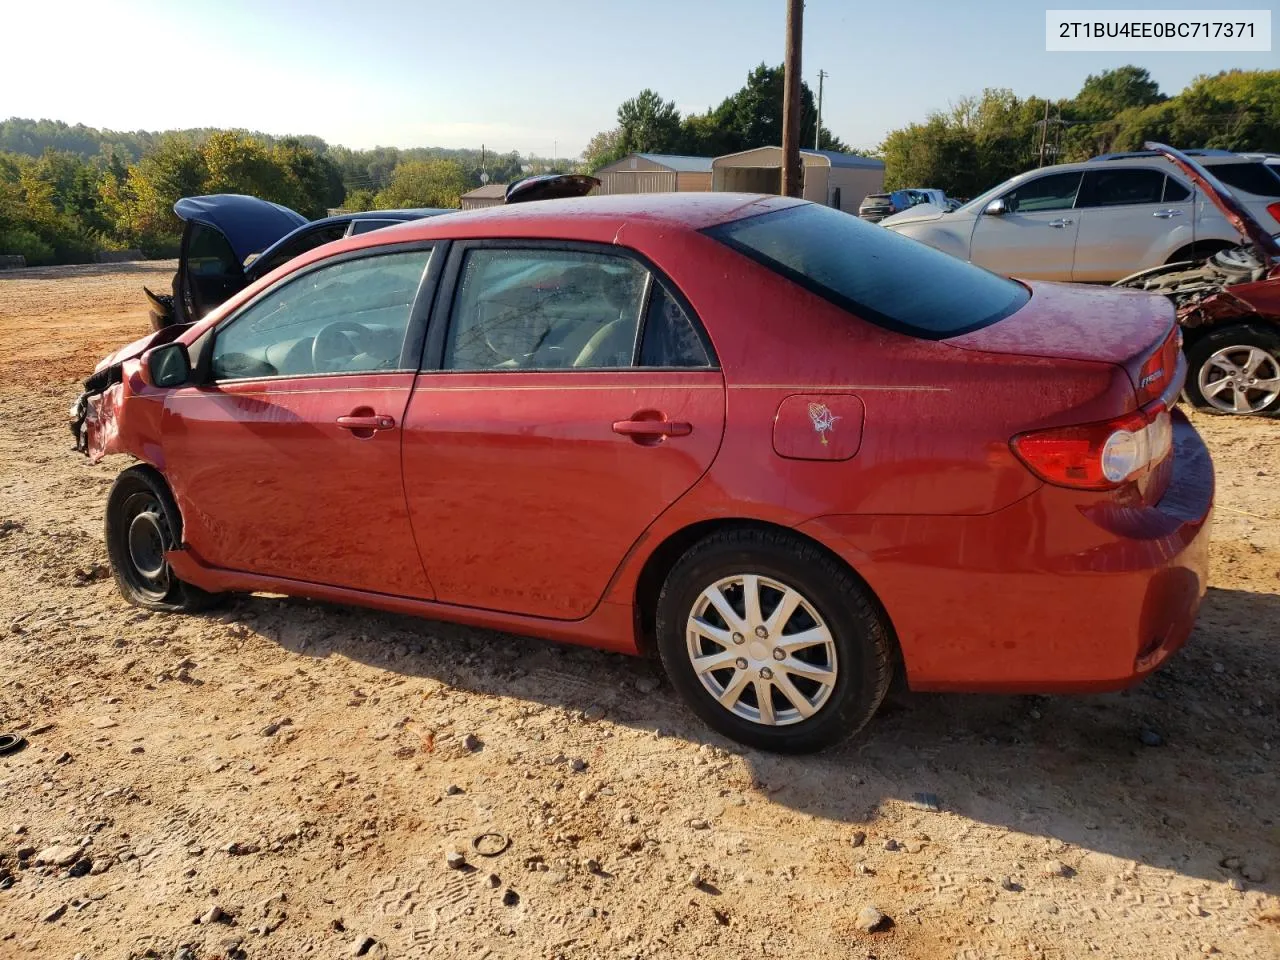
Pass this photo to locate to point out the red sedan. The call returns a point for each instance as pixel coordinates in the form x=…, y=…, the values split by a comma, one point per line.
x=794, y=452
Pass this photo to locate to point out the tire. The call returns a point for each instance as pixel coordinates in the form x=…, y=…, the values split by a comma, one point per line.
x=142, y=522
x=857, y=644
x=1238, y=345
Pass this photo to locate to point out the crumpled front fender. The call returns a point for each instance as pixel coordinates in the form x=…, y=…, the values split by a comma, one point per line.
x=119, y=414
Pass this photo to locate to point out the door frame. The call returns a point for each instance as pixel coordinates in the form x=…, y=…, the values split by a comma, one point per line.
x=201, y=349
x=441, y=313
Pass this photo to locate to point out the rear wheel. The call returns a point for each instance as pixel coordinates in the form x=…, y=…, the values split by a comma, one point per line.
x=142, y=524
x=1235, y=370
x=772, y=642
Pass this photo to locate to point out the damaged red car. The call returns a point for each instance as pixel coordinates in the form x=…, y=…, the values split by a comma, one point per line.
x=795, y=454
x=1228, y=305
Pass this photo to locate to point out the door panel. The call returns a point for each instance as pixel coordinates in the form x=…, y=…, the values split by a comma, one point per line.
x=1131, y=218
x=1036, y=236
x=269, y=482
x=523, y=496
x=1035, y=246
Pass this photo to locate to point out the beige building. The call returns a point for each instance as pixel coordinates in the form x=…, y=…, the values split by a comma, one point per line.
x=655, y=173
x=490, y=195
x=837, y=180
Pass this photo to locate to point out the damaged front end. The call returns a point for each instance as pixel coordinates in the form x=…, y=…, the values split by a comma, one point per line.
x=95, y=416
x=1200, y=289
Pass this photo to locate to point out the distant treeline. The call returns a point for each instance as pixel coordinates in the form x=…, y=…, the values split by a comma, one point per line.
x=69, y=192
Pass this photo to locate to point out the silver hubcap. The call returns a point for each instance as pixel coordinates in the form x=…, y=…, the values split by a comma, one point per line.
x=761, y=649
x=146, y=545
x=1240, y=379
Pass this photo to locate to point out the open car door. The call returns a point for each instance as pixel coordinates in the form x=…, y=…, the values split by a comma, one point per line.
x=222, y=231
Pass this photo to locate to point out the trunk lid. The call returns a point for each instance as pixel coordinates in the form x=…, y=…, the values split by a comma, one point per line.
x=1136, y=331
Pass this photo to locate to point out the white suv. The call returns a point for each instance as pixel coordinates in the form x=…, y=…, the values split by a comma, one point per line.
x=1100, y=220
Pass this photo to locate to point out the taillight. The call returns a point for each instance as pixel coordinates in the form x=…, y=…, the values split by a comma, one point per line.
x=1274, y=210
x=1098, y=456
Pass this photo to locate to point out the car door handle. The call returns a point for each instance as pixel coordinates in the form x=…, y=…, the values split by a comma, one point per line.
x=1166, y=214
x=1061, y=223
x=652, y=429
x=377, y=421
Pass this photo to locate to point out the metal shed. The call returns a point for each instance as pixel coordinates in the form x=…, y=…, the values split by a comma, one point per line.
x=837, y=180
x=490, y=195
x=655, y=173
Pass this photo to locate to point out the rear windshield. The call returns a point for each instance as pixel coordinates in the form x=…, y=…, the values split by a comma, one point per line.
x=881, y=276
x=1251, y=177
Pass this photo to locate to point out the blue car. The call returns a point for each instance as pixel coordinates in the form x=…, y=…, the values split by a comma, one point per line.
x=230, y=240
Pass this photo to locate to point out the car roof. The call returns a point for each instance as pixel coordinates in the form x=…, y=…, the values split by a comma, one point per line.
x=583, y=217
x=405, y=214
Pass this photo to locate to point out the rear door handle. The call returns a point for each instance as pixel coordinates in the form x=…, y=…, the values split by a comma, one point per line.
x=1061, y=223
x=377, y=421
x=1166, y=214
x=648, y=429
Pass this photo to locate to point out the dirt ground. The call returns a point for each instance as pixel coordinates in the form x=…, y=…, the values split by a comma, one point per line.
x=284, y=779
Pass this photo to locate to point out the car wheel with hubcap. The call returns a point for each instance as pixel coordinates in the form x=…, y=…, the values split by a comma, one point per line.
x=1236, y=371
x=772, y=641
x=142, y=524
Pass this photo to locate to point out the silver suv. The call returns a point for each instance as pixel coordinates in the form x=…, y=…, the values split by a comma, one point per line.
x=1101, y=220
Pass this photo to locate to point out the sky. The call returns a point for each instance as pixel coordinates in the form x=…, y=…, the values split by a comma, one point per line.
x=538, y=78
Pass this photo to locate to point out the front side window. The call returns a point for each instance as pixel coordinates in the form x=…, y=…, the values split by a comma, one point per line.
x=347, y=317
x=545, y=309
x=874, y=273
x=1118, y=188
x=1054, y=192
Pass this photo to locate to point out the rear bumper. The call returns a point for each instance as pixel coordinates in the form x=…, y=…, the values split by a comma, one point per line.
x=1047, y=595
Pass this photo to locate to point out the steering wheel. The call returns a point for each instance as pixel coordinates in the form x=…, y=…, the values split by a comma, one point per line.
x=334, y=344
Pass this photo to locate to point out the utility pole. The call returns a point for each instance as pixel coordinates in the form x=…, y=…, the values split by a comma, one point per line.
x=817, y=130
x=1044, y=133
x=792, y=184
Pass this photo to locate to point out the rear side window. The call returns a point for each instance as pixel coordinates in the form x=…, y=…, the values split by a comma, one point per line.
x=1251, y=177
x=1117, y=188
x=670, y=339
x=1175, y=192
x=879, y=275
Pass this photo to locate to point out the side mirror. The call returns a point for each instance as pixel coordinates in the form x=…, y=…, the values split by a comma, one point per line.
x=168, y=365
x=996, y=208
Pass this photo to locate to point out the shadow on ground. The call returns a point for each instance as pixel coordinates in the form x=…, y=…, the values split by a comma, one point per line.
x=1074, y=768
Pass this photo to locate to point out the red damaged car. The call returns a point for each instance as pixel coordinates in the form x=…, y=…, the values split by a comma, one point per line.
x=793, y=452
x=1228, y=304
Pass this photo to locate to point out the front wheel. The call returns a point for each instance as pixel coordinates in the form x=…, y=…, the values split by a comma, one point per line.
x=772, y=642
x=1235, y=370
x=143, y=523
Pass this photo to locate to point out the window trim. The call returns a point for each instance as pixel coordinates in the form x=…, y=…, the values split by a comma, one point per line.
x=415, y=330
x=1087, y=189
x=446, y=295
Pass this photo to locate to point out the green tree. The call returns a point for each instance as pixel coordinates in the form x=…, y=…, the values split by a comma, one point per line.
x=424, y=183
x=315, y=179
x=648, y=124
x=238, y=163
x=1106, y=94
x=603, y=149
x=752, y=117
